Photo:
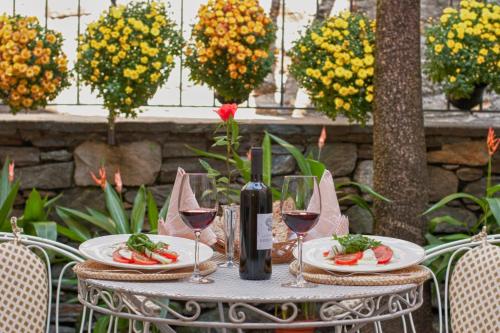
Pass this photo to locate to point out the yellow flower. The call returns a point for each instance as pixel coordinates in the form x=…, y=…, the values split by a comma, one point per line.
x=157, y=65
x=450, y=43
x=480, y=59
x=128, y=90
x=369, y=98
x=339, y=102
x=438, y=48
x=155, y=32
x=452, y=79
x=128, y=101
x=483, y=52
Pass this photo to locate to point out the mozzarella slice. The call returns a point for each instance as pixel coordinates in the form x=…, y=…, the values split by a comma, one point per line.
x=368, y=258
x=125, y=253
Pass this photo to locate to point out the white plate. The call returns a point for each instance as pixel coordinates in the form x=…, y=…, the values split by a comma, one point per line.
x=101, y=249
x=405, y=254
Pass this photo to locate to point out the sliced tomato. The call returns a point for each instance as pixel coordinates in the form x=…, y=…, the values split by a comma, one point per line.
x=348, y=259
x=142, y=259
x=326, y=253
x=170, y=255
x=383, y=254
x=118, y=258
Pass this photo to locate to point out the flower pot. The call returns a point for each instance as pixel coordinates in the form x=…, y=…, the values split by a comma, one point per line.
x=475, y=99
x=223, y=100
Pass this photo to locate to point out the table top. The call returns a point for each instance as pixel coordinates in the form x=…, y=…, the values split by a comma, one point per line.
x=228, y=287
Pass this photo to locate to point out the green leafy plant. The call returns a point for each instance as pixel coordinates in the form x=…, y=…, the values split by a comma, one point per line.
x=8, y=192
x=35, y=219
x=462, y=48
x=489, y=205
x=308, y=166
x=334, y=61
x=115, y=220
x=231, y=57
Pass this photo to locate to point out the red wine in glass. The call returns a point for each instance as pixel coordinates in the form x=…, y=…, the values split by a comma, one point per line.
x=198, y=219
x=300, y=222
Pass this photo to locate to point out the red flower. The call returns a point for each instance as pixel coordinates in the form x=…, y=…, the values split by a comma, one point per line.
x=227, y=111
x=101, y=181
x=118, y=181
x=11, y=172
x=492, y=142
x=322, y=138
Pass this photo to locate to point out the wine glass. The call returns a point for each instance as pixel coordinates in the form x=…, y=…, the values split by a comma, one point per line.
x=197, y=204
x=300, y=209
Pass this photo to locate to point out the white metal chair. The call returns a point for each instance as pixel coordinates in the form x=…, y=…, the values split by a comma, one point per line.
x=29, y=281
x=469, y=274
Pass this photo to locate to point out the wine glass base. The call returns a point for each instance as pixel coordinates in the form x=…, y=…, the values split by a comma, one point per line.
x=227, y=264
x=200, y=280
x=303, y=284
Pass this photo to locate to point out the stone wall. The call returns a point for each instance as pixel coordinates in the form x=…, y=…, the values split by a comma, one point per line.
x=55, y=156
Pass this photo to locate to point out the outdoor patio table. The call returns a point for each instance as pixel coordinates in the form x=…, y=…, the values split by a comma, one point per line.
x=239, y=302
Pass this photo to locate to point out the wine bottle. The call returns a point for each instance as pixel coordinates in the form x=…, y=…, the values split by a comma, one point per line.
x=256, y=224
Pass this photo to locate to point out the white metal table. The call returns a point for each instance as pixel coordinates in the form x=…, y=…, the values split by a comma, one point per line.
x=239, y=302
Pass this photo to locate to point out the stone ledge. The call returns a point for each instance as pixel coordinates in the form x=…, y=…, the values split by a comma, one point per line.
x=436, y=123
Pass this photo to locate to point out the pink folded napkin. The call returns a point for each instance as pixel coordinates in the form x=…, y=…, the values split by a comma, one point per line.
x=173, y=225
x=330, y=220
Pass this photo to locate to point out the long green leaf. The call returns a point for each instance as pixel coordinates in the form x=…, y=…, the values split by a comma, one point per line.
x=267, y=159
x=105, y=224
x=116, y=210
x=152, y=211
x=6, y=207
x=103, y=218
x=138, y=211
x=5, y=185
x=51, y=202
x=297, y=154
x=243, y=166
x=33, y=210
x=494, y=204
x=444, y=219
x=433, y=240
x=317, y=168
x=47, y=229
x=454, y=196
x=203, y=153
x=453, y=237
x=358, y=200
x=101, y=324
x=164, y=209
x=492, y=190
x=365, y=188
x=81, y=232
x=70, y=234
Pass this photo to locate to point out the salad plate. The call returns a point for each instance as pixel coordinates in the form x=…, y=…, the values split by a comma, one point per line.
x=384, y=254
x=104, y=250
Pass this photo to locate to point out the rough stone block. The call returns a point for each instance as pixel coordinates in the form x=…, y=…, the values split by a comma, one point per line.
x=472, y=153
x=46, y=176
x=138, y=162
x=20, y=155
x=441, y=183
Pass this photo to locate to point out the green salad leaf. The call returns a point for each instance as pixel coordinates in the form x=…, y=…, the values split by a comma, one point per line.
x=140, y=242
x=356, y=243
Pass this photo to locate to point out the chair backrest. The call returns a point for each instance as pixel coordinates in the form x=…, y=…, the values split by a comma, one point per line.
x=26, y=282
x=474, y=291
x=471, y=284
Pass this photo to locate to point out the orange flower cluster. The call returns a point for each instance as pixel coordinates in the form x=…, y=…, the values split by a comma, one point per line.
x=231, y=41
x=33, y=68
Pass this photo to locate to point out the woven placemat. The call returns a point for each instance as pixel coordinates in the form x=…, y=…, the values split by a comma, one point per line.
x=93, y=270
x=414, y=274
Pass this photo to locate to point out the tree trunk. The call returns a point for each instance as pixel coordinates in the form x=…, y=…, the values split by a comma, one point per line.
x=400, y=168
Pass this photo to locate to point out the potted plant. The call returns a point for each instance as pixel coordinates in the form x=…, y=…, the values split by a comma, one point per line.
x=463, y=54
x=333, y=60
x=33, y=67
x=229, y=48
x=126, y=55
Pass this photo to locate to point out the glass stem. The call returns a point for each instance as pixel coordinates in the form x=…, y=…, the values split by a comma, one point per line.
x=300, y=277
x=196, y=271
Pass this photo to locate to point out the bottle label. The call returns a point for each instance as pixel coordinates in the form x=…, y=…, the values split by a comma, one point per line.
x=264, y=231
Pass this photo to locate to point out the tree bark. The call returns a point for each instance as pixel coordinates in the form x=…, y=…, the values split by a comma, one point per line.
x=400, y=169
